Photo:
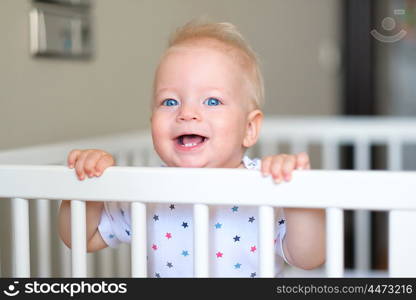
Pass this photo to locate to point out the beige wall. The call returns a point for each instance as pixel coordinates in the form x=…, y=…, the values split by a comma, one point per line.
x=50, y=100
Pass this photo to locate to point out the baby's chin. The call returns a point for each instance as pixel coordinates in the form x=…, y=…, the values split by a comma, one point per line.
x=191, y=163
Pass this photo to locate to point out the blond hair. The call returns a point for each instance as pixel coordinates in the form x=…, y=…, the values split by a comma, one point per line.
x=228, y=34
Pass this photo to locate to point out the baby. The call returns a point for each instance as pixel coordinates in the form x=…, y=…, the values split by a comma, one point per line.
x=207, y=95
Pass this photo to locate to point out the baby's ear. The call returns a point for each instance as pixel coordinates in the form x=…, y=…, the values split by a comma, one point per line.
x=254, y=121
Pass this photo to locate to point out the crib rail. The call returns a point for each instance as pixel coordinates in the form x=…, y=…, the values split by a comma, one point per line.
x=299, y=133
x=373, y=190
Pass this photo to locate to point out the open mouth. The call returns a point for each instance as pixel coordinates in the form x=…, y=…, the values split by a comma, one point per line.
x=190, y=141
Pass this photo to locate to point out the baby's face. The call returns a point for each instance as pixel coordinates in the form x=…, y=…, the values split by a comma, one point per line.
x=200, y=109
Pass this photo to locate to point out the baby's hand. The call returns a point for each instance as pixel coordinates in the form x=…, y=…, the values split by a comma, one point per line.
x=281, y=166
x=91, y=162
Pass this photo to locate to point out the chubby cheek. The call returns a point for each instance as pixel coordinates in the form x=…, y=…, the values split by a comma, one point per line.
x=230, y=131
x=160, y=131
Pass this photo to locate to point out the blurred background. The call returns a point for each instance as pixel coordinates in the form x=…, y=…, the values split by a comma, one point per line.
x=75, y=69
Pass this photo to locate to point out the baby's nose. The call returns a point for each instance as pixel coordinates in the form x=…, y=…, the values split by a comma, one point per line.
x=188, y=113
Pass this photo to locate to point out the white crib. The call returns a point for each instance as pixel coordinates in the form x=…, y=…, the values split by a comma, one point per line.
x=37, y=176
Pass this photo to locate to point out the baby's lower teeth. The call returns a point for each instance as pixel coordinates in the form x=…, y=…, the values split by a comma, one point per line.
x=190, y=145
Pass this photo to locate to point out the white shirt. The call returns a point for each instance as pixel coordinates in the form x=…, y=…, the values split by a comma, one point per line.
x=233, y=236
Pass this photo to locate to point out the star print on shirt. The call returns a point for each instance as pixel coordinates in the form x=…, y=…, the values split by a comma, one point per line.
x=281, y=222
x=218, y=225
x=251, y=219
x=154, y=247
x=237, y=266
x=168, y=235
x=122, y=212
x=219, y=254
x=235, y=208
x=128, y=232
x=172, y=207
x=236, y=238
x=111, y=236
x=156, y=217
x=253, y=248
x=157, y=275
x=184, y=224
x=185, y=253
x=170, y=265
x=252, y=275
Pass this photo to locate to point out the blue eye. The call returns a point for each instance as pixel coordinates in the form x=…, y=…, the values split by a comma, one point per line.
x=170, y=102
x=212, y=101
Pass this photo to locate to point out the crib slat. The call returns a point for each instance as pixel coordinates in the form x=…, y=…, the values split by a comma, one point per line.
x=201, y=240
x=394, y=154
x=20, y=237
x=334, y=217
x=78, y=239
x=362, y=218
x=334, y=242
x=43, y=226
x=330, y=154
x=138, y=240
x=266, y=238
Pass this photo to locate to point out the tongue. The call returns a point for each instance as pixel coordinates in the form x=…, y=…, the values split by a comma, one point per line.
x=188, y=139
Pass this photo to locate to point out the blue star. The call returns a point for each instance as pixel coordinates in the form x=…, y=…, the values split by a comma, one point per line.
x=128, y=232
x=234, y=208
x=218, y=225
x=169, y=264
x=253, y=275
x=184, y=224
x=172, y=207
x=156, y=217
x=111, y=236
x=281, y=222
x=237, y=265
x=251, y=220
x=236, y=238
x=157, y=275
x=185, y=253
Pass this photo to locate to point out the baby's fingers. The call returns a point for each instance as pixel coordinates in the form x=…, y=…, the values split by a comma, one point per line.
x=105, y=161
x=72, y=157
x=288, y=166
x=302, y=161
x=276, y=167
x=80, y=163
x=265, y=165
x=91, y=162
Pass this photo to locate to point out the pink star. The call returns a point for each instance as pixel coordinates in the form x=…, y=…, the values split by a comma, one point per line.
x=219, y=254
x=253, y=248
x=168, y=235
x=154, y=247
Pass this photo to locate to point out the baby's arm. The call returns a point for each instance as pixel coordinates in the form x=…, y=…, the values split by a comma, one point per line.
x=304, y=243
x=90, y=163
